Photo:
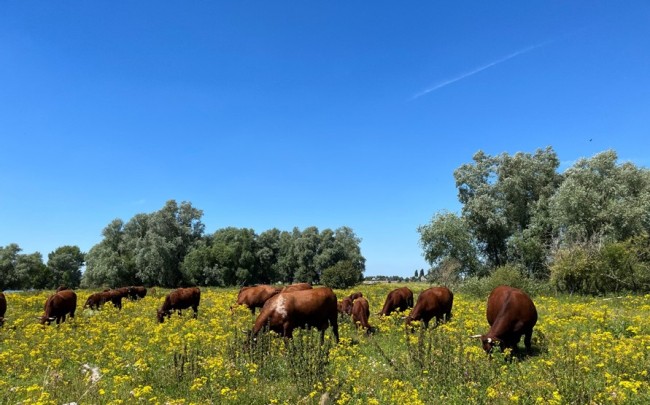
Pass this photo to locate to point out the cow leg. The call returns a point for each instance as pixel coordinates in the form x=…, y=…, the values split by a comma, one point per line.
x=196, y=311
x=72, y=313
x=527, y=337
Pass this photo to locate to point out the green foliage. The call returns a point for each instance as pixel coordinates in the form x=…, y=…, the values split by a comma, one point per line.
x=343, y=274
x=600, y=268
x=64, y=265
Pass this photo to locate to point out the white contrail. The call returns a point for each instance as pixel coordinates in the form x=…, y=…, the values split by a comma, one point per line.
x=475, y=71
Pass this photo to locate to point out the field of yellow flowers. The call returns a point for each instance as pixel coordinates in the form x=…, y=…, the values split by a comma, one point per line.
x=586, y=350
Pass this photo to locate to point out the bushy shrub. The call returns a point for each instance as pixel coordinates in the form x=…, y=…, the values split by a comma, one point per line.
x=343, y=274
x=508, y=274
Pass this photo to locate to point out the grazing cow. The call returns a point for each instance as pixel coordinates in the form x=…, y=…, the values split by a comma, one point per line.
x=433, y=302
x=355, y=295
x=3, y=308
x=361, y=313
x=179, y=299
x=255, y=296
x=58, y=306
x=96, y=300
x=311, y=308
x=297, y=287
x=345, y=306
x=510, y=314
x=137, y=292
x=114, y=296
x=399, y=299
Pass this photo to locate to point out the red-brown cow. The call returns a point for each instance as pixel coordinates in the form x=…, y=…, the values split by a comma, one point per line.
x=361, y=313
x=255, y=296
x=312, y=308
x=297, y=287
x=355, y=295
x=58, y=306
x=180, y=299
x=3, y=308
x=399, y=299
x=345, y=306
x=62, y=288
x=510, y=314
x=137, y=292
x=433, y=302
x=96, y=300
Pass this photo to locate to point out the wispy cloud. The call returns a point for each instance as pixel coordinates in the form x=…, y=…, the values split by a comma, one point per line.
x=477, y=70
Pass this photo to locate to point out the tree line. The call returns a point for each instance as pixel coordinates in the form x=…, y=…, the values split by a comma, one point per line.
x=584, y=230
x=170, y=248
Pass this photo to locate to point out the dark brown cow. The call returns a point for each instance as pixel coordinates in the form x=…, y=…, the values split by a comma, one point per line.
x=3, y=308
x=114, y=296
x=96, y=300
x=433, y=302
x=137, y=292
x=355, y=295
x=255, y=296
x=58, y=306
x=510, y=314
x=399, y=299
x=312, y=308
x=297, y=287
x=361, y=313
x=62, y=288
x=178, y=300
x=345, y=306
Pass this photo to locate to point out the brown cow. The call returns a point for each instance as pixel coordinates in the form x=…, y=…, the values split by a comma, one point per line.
x=180, y=299
x=511, y=314
x=58, y=306
x=355, y=295
x=399, y=299
x=433, y=302
x=136, y=292
x=62, y=288
x=255, y=296
x=361, y=313
x=96, y=300
x=312, y=308
x=3, y=308
x=297, y=287
x=345, y=306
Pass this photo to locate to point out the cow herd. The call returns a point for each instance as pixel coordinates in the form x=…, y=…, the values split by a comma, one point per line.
x=511, y=313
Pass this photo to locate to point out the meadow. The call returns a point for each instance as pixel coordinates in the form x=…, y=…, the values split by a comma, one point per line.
x=586, y=350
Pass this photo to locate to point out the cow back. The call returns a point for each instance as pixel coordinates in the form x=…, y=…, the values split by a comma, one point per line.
x=297, y=287
x=510, y=310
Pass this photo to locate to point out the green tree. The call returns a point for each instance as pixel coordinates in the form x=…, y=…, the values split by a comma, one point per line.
x=343, y=274
x=446, y=239
x=32, y=272
x=64, y=265
x=602, y=198
x=8, y=258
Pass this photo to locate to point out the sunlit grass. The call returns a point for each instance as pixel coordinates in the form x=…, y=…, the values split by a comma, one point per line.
x=586, y=350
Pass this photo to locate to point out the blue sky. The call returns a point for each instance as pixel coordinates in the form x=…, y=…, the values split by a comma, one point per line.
x=286, y=113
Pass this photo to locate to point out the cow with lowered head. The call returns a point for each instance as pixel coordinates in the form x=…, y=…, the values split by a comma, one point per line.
x=510, y=314
x=400, y=299
x=289, y=310
x=179, y=299
x=435, y=302
x=58, y=306
x=345, y=306
x=255, y=296
x=360, y=313
x=136, y=292
x=3, y=308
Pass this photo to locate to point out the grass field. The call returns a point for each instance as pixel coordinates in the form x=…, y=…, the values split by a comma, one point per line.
x=586, y=350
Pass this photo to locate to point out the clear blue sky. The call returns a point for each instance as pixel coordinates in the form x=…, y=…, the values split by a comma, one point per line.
x=289, y=113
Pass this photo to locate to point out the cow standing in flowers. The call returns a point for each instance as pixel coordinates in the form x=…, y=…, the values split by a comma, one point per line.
x=510, y=313
x=178, y=300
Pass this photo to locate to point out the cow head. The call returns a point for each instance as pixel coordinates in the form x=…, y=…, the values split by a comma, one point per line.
x=45, y=318
x=160, y=314
x=487, y=342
